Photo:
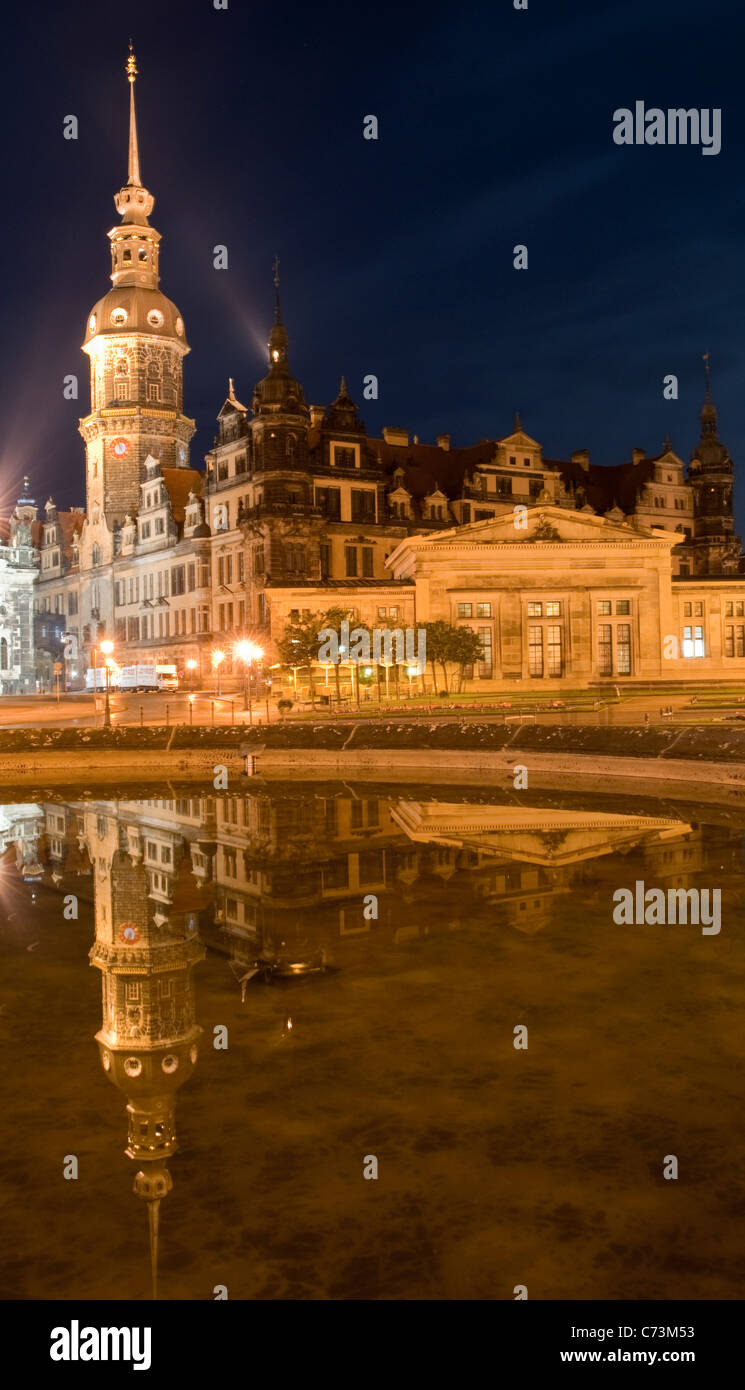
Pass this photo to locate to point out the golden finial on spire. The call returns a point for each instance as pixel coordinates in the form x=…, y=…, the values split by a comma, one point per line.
x=275, y=268
x=133, y=163
x=131, y=64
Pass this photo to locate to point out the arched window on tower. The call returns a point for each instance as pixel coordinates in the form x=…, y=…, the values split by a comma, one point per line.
x=121, y=379
x=153, y=379
x=290, y=446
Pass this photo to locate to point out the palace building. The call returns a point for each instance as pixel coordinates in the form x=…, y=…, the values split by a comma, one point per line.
x=570, y=572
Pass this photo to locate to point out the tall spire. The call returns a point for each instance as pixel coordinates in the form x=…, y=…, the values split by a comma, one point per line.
x=708, y=409
x=277, y=310
x=133, y=164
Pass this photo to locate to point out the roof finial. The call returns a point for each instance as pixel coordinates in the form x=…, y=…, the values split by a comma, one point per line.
x=343, y=387
x=667, y=444
x=133, y=165
x=707, y=373
x=517, y=423
x=277, y=313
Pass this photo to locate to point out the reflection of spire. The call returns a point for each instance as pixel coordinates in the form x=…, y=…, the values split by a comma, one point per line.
x=148, y=1040
x=133, y=163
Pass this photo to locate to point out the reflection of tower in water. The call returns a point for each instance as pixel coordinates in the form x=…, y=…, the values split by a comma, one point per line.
x=148, y=1040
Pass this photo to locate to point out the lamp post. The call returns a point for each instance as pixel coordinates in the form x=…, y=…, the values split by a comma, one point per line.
x=107, y=648
x=247, y=652
x=217, y=658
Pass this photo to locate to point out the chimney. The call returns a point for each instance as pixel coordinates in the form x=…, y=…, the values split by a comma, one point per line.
x=316, y=416
x=637, y=455
x=582, y=457
x=392, y=435
x=443, y=442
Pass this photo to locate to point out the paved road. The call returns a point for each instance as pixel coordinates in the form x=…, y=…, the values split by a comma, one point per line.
x=85, y=711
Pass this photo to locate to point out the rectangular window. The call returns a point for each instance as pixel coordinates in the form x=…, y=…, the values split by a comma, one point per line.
x=178, y=580
x=344, y=458
x=325, y=553
x=191, y=572
x=553, y=609
x=623, y=606
x=535, y=650
x=535, y=610
x=329, y=501
x=698, y=610
x=729, y=640
x=241, y=567
x=466, y=512
x=382, y=612
x=698, y=641
x=687, y=610
x=623, y=649
x=350, y=556
x=160, y=526
x=393, y=613
x=605, y=650
x=605, y=607
x=465, y=610
x=485, y=661
x=740, y=641
x=363, y=506
x=483, y=610
x=740, y=609
x=553, y=648
x=367, y=562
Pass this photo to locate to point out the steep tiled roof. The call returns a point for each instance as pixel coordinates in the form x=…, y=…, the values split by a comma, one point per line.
x=179, y=483
x=606, y=484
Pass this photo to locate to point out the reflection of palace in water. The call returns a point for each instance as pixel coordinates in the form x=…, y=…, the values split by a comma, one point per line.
x=278, y=880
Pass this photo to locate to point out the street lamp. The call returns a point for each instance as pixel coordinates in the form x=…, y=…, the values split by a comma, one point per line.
x=216, y=658
x=191, y=666
x=107, y=648
x=247, y=652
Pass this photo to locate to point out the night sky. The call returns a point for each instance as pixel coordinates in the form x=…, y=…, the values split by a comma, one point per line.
x=396, y=255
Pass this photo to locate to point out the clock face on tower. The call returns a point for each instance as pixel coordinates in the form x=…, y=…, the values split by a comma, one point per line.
x=120, y=447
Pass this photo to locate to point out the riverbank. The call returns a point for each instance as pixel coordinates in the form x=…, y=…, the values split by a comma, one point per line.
x=667, y=757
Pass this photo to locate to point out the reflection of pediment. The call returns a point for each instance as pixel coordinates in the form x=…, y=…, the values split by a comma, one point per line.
x=531, y=835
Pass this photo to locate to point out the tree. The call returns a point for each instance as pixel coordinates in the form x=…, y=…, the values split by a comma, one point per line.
x=464, y=649
x=438, y=639
x=333, y=618
x=298, y=646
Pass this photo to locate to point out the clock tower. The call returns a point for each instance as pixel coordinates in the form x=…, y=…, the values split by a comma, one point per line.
x=136, y=343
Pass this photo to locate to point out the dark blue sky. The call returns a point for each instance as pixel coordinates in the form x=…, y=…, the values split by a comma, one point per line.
x=495, y=128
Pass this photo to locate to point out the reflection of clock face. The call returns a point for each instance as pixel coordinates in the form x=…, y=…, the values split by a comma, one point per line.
x=120, y=447
x=182, y=454
x=129, y=932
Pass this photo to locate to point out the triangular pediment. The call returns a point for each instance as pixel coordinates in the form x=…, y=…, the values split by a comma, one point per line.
x=548, y=525
x=520, y=440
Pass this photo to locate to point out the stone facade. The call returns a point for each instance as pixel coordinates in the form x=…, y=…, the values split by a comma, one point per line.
x=300, y=510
